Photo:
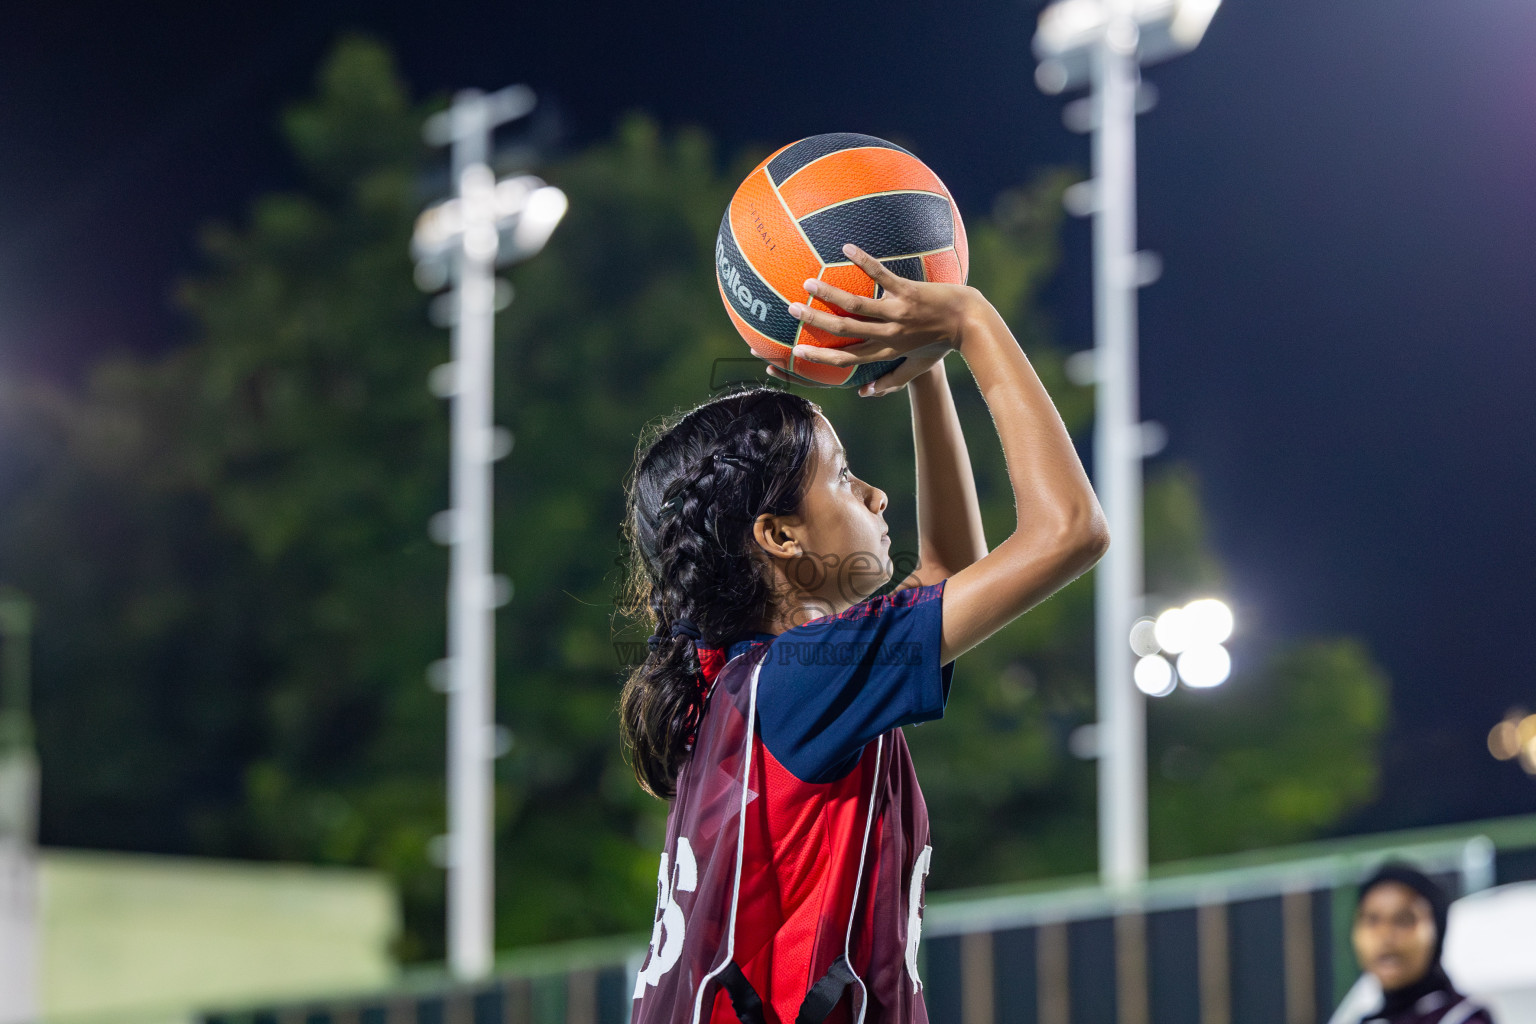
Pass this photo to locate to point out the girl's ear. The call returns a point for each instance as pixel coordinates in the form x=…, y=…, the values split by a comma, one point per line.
x=776, y=535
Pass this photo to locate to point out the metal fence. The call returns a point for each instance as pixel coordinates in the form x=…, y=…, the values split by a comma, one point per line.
x=1260, y=938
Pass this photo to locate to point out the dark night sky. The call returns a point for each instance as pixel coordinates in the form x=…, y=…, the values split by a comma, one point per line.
x=1342, y=192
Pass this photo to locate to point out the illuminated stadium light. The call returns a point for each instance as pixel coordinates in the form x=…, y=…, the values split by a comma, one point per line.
x=1068, y=26
x=502, y=222
x=1154, y=676
x=1514, y=738
x=541, y=210
x=1204, y=666
x=1194, y=635
x=1172, y=631
x=1069, y=30
x=1504, y=740
x=1197, y=624
x=1144, y=637
x=1208, y=621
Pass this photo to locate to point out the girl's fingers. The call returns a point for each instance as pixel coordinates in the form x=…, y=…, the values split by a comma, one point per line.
x=910, y=369
x=878, y=272
x=842, y=326
x=848, y=355
x=859, y=305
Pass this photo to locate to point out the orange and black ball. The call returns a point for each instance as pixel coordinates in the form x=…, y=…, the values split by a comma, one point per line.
x=790, y=220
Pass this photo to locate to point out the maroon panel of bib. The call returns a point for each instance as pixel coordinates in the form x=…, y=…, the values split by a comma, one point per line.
x=781, y=878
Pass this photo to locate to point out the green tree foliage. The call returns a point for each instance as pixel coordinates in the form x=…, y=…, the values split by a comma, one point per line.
x=238, y=598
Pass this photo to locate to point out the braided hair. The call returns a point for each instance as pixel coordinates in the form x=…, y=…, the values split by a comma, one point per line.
x=698, y=487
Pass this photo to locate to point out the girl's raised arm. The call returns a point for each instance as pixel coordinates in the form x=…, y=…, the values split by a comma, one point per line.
x=949, y=533
x=1060, y=530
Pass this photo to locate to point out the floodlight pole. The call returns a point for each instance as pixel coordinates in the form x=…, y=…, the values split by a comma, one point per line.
x=1103, y=44
x=1117, y=453
x=471, y=610
x=472, y=588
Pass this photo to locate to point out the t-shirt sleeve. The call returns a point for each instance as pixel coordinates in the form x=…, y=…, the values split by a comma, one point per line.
x=830, y=686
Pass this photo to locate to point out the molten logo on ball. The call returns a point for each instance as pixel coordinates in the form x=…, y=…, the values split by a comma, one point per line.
x=730, y=281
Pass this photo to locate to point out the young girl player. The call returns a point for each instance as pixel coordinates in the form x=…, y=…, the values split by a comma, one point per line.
x=769, y=708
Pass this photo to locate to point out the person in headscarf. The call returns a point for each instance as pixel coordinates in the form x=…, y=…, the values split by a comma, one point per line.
x=1399, y=934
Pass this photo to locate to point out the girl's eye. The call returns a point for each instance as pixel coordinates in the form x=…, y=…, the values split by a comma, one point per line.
x=844, y=474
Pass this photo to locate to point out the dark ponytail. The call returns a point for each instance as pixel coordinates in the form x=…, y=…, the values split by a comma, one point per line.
x=698, y=487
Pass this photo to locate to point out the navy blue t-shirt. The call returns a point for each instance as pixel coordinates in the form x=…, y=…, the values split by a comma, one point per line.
x=830, y=686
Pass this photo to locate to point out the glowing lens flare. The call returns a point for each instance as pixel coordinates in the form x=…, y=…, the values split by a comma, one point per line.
x=1208, y=621
x=1205, y=666
x=1144, y=637
x=1504, y=740
x=1154, y=676
x=1172, y=631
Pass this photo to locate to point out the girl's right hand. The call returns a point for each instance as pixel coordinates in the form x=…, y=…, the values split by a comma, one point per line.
x=917, y=321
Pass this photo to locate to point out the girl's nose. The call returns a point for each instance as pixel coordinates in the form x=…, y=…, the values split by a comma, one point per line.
x=877, y=499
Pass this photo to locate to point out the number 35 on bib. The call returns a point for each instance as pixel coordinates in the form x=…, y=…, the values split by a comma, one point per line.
x=667, y=934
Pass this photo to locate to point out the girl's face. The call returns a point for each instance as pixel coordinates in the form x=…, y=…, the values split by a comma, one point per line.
x=1394, y=935
x=843, y=545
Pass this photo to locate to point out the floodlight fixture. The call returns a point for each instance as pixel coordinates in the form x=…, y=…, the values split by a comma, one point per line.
x=1192, y=635
x=1204, y=666
x=503, y=223
x=1144, y=637
x=541, y=210
x=1154, y=676
x=1210, y=621
x=1172, y=631
x=1070, y=30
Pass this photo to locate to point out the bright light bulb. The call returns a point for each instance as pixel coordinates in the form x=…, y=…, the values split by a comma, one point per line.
x=1154, y=676
x=1144, y=637
x=1068, y=24
x=543, y=210
x=1190, y=20
x=1172, y=631
x=1208, y=621
x=1205, y=666
x=1504, y=741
